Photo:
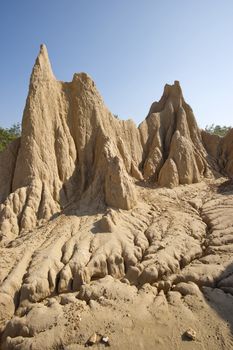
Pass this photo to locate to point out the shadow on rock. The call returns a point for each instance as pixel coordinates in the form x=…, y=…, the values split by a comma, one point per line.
x=220, y=298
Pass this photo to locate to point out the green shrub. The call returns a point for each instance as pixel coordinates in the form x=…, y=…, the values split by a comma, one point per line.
x=217, y=129
x=8, y=135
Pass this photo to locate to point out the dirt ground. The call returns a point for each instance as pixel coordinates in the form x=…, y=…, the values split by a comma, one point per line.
x=181, y=277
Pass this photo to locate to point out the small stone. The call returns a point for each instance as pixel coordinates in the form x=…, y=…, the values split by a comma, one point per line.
x=125, y=280
x=191, y=334
x=51, y=301
x=161, y=246
x=105, y=340
x=92, y=340
x=93, y=304
x=68, y=299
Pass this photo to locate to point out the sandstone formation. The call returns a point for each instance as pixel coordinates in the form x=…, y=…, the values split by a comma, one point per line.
x=220, y=151
x=68, y=138
x=173, y=150
x=97, y=235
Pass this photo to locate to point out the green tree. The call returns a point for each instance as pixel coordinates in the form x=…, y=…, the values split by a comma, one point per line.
x=7, y=135
x=217, y=129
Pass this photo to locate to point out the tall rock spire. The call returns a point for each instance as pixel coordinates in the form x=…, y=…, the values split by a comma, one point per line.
x=42, y=70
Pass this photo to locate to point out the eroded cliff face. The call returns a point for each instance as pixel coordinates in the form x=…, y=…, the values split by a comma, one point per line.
x=220, y=152
x=72, y=149
x=71, y=146
x=91, y=213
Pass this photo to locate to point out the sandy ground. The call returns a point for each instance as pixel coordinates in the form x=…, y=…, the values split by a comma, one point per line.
x=41, y=308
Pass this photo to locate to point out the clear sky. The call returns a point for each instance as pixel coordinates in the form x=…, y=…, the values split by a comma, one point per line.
x=131, y=48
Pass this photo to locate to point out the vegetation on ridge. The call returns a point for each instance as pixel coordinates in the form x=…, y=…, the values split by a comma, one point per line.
x=7, y=135
x=217, y=129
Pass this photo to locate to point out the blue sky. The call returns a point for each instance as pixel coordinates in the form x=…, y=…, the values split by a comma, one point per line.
x=131, y=48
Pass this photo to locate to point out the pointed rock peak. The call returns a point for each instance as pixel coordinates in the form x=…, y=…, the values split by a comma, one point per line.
x=42, y=70
x=84, y=79
x=43, y=48
x=172, y=93
x=173, y=90
x=82, y=76
x=85, y=84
